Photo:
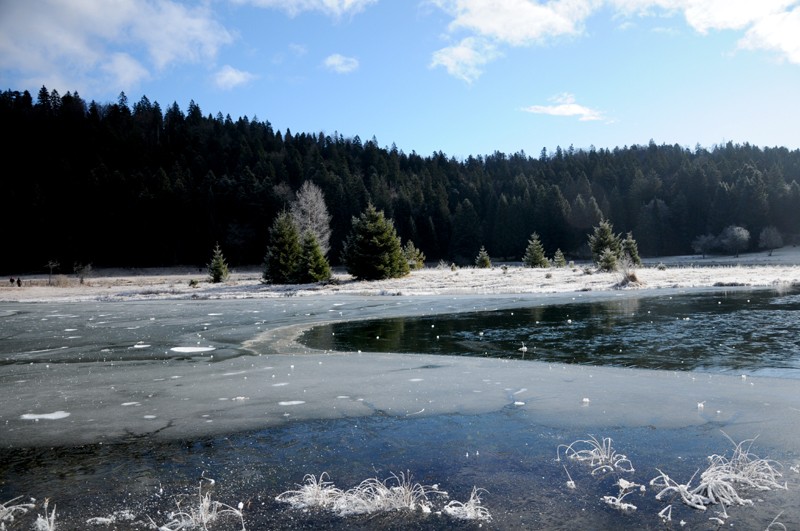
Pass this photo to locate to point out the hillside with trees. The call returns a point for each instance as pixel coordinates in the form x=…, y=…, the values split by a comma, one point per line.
x=121, y=184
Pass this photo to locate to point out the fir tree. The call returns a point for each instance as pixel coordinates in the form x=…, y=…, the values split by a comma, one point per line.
x=372, y=250
x=558, y=259
x=283, y=252
x=314, y=267
x=482, y=260
x=218, y=268
x=534, y=253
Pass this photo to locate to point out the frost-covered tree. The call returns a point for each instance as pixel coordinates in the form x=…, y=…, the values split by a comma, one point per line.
x=704, y=243
x=534, y=253
x=734, y=239
x=770, y=239
x=310, y=214
x=372, y=250
x=282, y=260
x=218, y=268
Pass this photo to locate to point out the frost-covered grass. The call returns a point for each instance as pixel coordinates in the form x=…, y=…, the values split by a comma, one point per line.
x=599, y=454
x=472, y=509
x=48, y=521
x=10, y=509
x=724, y=481
x=204, y=511
x=396, y=493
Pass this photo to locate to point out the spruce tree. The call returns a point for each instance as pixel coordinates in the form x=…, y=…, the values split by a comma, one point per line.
x=218, y=268
x=630, y=249
x=282, y=261
x=604, y=238
x=483, y=260
x=558, y=259
x=372, y=250
x=414, y=257
x=314, y=267
x=534, y=253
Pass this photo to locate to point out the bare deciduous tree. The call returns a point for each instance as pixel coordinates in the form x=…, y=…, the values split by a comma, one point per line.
x=310, y=214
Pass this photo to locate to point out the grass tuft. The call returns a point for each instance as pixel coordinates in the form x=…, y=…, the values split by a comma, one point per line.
x=10, y=509
x=205, y=512
x=724, y=480
x=599, y=454
x=472, y=509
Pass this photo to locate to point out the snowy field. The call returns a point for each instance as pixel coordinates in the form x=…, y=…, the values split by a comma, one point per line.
x=754, y=270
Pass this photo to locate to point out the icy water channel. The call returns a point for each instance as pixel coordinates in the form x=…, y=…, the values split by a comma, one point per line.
x=119, y=410
x=739, y=332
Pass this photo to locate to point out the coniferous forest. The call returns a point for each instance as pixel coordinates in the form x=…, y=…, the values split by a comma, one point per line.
x=132, y=185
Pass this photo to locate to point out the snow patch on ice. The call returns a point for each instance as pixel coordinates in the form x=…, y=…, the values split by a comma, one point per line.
x=127, y=404
x=45, y=416
x=291, y=403
x=192, y=349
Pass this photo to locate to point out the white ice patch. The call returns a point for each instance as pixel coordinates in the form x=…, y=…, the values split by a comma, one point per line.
x=215, y=314
x=45, y=416
x=291, y=403
x=234, y=373
x=149, y=417
x=141, y=345
x=280, y=384
x=184, y=350
x=127, y=404
x=415, y=379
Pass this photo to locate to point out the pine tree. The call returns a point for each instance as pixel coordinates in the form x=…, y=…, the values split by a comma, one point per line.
x=482, y=260
x=218, y=268
x=630, y=249
x=283, y=252
x=372, y=250
x=414, y=257
x=558, y=259
x=314, y=267
x=534, y=253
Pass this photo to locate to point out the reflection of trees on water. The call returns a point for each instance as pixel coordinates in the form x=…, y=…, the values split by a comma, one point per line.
x=738, y=330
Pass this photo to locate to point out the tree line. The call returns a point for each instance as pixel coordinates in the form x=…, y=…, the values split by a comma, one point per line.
x=121, y=184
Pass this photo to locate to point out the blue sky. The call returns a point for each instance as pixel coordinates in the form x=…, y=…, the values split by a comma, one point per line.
x=466, y=77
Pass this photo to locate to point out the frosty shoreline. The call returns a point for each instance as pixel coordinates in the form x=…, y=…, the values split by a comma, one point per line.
x=751, y=270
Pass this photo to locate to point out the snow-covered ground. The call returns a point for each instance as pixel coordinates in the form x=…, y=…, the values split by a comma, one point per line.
x=754, y=270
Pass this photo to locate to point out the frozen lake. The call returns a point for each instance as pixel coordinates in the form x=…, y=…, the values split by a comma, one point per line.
x=111, y=406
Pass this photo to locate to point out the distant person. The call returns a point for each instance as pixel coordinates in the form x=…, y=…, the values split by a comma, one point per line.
x=19, y=282
x=11, y=280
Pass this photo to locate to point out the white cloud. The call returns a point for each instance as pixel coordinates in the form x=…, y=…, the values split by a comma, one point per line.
x=565, y=106
x=104, y=45
x=465, y=59
x=341, y=64
x=227, y=77
x=768, y=24
x=518, y=22
x=779, y=32
x=334, y=8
